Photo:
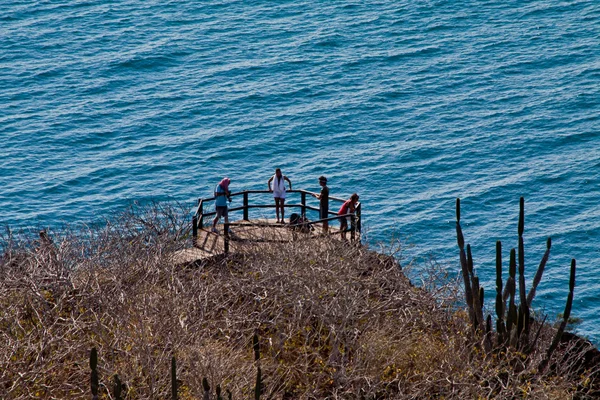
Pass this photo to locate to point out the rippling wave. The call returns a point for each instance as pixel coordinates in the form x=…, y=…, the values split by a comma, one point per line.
x=409, y=104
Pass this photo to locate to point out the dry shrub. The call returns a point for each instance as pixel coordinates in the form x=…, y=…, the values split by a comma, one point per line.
x=334, y=321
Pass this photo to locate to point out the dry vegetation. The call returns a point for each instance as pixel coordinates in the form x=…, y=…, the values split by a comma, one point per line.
x=334, y=321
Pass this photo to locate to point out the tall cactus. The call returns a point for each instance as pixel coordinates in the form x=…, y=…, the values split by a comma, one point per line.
x=477, y=292
x=258, y=385
x=206, y=387
x=117, y=388
x=523, y=307
x=487, y=340
x=539, y=273
x=500, y=303
x=513, y=320
x=566, y=316
x=464, y=266
x=94, y=374
x=510, y=290
x=173, y=378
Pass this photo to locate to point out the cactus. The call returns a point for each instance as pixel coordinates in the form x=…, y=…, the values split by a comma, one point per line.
x=521, y=215
x=173, y=378
x=258, y=385
x=565, y=320
x=256, y=347
x=94, y=375
x=487, y=340
x=539, y=273
x=206, y=388
x=499, y=302
x=117, y=388
x=500, y=305
x=523, y=306
x=477, y=293
x=464, y=266
x=513, y=320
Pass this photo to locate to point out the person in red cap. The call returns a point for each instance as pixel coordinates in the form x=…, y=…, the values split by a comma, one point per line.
x=222, y=194
x=348, y=207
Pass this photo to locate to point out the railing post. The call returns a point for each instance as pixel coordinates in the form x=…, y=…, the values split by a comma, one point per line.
x=352, y=227
x=245, y=206
x=324, y=207
x=226, y=238
x=303, y=202
x=358, y=218
x=194, y=228
x=201, y=212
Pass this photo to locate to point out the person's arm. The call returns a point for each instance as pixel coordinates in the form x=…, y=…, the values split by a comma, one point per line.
x=288, y=180
x=269, y=184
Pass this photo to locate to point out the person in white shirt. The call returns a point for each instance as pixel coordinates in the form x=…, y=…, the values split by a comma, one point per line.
x=277, y=186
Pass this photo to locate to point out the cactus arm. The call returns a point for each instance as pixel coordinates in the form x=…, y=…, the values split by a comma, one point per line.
x=464, y=265
x=478, y=321
x=521, y=216
x=118, y=388
x=206, y=387
x=94, y=375
x=537, y=335
x=487, y=341
x=258, y=385
x=563, y=324
x=173, y=378
x=539, y=273
x=499, y=305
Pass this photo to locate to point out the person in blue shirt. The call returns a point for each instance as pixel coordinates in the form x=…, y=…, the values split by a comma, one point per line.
x=222, y=194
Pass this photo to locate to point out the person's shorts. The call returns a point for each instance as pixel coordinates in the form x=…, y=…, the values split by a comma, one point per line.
x=278, y=195
x=343, y=221
x=221, y=211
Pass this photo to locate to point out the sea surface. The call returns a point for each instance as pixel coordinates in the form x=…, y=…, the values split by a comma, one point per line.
x=411, y=104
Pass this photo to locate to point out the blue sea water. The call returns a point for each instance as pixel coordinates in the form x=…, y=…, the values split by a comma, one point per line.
x=410, y=104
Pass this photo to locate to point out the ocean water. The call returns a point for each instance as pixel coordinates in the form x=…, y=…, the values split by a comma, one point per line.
x=409, y=103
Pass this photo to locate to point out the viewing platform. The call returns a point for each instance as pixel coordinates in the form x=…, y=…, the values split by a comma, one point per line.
x=252, y=223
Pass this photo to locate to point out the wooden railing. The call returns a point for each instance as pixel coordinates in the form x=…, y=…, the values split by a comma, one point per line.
x=200, y=214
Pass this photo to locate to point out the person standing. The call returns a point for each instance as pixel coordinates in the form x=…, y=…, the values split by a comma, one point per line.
x=348, y=207
x=276, y=185
x=222, y=194
x=323, y=202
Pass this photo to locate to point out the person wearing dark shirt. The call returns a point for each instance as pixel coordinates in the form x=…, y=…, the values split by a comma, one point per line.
x=324, y=202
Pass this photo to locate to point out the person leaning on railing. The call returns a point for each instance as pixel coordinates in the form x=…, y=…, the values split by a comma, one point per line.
x=348, y=207
x=222, y=194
